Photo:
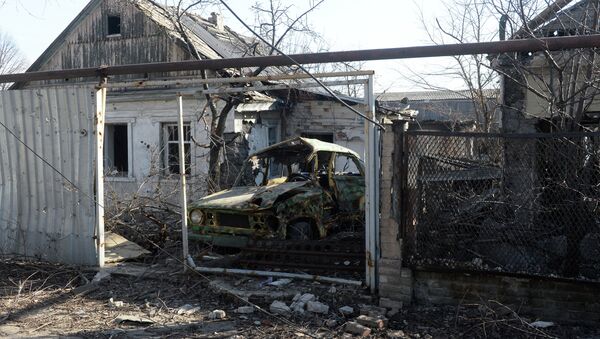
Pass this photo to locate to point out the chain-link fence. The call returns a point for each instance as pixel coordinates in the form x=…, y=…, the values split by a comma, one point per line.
x=495, y=202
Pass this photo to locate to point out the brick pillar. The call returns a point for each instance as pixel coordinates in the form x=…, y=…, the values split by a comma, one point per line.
x=395, y=283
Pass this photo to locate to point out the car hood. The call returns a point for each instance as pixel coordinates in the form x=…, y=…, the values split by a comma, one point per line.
x=250, y=197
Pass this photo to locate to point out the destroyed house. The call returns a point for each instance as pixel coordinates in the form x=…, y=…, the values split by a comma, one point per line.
x=141, y=143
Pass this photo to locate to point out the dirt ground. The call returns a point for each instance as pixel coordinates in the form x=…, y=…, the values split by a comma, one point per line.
x=45, y=300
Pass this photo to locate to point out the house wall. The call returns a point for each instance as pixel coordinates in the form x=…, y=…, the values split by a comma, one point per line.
x=316, y=117
x=326, y=116
x=147, y=115
x=86, y=44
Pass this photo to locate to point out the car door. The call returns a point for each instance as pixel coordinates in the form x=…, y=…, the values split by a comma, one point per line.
x=349, y=183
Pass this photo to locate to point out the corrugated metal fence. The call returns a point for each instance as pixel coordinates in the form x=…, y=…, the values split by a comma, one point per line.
x=42, y=215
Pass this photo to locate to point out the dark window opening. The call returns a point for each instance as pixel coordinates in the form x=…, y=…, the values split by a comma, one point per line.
x=327, y=137
x=114, y=24
x=116, y=150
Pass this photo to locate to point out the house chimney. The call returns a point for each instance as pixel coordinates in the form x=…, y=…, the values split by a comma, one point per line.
x=217, y=20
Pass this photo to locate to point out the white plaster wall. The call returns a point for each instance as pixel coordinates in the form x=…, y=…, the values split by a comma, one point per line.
x=147, y=114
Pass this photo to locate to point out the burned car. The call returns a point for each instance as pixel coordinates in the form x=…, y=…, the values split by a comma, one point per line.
x=297, y=189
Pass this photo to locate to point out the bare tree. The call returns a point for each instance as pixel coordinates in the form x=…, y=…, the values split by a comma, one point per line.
x=467, y=21
x=11, y=60
x=285, y=26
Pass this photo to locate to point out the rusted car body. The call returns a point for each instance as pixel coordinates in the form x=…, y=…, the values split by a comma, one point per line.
x=297, y=189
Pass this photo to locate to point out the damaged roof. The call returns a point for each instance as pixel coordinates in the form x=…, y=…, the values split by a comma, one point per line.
x=208, y=36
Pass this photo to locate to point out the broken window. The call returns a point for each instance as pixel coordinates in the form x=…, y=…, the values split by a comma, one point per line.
x=117, y=150
x=171, y=147
x=114, y=25
x=346, y=165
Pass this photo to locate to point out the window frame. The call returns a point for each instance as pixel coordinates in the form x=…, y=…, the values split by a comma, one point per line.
x=108, y=25
x=130, y=170
x=164, y=127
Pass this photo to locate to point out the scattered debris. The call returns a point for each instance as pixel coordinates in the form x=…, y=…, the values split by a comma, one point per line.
x=115, y=304
x=377, y=323
x=317, y=307
x=280, y=282
x=372, y=311
x=331, y=323
x=250, y=291
x=188, y=309
x=245, y=310
x=278, y=307
x=346, y=310
x=542, y=324
x=396, y=334
x=254, y=273
x=357, y=329
x=217, y=315
x=101, y=275
x=299, y=302
x=332, y=290
x=130, y=318
x=120, y=249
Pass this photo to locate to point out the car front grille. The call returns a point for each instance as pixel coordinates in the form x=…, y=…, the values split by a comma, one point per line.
x=234, y=220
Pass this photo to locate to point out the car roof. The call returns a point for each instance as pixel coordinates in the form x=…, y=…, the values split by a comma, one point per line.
x=314, y=145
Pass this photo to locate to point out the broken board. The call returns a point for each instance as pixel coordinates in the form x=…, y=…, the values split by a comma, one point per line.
x=120, y=249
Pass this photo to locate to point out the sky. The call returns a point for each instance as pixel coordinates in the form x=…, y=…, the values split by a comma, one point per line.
x=345, y=25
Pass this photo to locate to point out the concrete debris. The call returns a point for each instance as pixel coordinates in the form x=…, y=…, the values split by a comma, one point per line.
x=304, y=298
x=265, y=295
x=245, y=310
x=317, y=307
x=217, y=314
x=101, y=275
x=332, y=290
x=372, y=322
x=372, y=311
x=299, y=302
x=346, y=310
x=130, y=318
x=331, y=323
x=278, y=307
x=280, y=282
x=357, y=329
x=396, y=334
x=188, y=309
x=115, y=304
x=542, y=324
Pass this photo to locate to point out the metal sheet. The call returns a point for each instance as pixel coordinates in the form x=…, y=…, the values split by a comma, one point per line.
x=42, y=216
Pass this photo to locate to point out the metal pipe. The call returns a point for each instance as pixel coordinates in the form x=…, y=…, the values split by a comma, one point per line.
x=99, y=136
x=278, y=87
x=371, y=190
x=182, y=175
x=242, y=80
x=494, y=47
x=302, y=276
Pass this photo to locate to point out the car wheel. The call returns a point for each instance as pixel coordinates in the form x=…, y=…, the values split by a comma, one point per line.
x=300, y=230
